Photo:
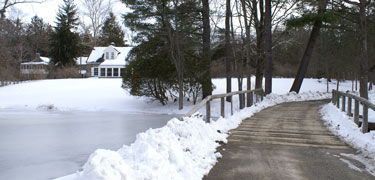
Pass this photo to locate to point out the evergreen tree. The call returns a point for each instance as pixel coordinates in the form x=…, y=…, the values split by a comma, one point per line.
x=38, y=33
x=111, y=32
x=179, y=25
x=64, y=42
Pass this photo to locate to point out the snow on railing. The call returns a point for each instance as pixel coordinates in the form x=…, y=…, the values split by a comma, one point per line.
x=259, y=94
x=366, y=104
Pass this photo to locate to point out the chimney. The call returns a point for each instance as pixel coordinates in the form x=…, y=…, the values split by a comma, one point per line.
x=37, y=57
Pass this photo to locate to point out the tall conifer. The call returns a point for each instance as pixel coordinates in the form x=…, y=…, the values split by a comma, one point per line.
x=64, y=41
x=111, y=32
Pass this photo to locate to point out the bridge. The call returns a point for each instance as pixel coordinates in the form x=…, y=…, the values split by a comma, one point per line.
x=289, y=141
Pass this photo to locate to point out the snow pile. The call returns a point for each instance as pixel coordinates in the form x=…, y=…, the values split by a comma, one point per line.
x=106, y=164
x=342, y=125
x=180, y=150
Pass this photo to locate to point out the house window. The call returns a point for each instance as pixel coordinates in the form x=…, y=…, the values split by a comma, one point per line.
x=106, y=55
x=122, y=71
x=115, y=72
x=109, y=72
x=112, y=55
x=102, y=71
x=95, y=71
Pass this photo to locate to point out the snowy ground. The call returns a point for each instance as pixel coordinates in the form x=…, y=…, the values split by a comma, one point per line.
x=107, y=95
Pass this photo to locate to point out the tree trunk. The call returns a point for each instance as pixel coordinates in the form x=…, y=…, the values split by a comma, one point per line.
x=363, y=65
x=268, y=47
x=227, y=48
x=309, y=48
x=258, y=77
x=177, y=54
x=241, y=96
x=247, y=42
x=206, y=79
x=180, y=92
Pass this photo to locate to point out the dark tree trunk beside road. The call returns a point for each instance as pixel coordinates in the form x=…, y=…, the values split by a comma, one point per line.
x=305, y=60
x=228, y=49
x=206, y=57
x=363, y=65
x=268, y=47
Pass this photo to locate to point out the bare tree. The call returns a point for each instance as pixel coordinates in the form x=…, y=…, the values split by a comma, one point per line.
x=96, y=10
x=5, y=4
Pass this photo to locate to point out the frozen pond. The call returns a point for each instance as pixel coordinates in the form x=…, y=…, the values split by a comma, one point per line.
x=46, y=145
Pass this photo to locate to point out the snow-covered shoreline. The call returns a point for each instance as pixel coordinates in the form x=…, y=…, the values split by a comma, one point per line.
x=180, y=150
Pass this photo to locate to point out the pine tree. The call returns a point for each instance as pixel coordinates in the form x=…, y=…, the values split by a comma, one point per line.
x=64, y=42
x=38, y=33
x=111, y=32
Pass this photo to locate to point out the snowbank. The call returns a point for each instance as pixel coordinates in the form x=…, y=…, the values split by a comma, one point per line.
x=180, y=150
x=343, y=126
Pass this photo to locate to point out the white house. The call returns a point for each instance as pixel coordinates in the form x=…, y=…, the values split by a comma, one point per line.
x=108, y=61
x=37, y=68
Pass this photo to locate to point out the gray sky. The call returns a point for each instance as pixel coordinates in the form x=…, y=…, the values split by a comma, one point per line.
x=48, y=10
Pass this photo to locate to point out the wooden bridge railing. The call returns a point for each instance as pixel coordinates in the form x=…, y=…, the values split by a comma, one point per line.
x=6, y=83
x=366, y=104
x=259, y=94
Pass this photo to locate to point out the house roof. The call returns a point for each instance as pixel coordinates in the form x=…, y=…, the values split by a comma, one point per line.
x=42, y=60
x=97, y=55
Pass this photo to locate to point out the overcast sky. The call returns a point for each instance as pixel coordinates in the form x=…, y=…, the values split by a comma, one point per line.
x=48, y=10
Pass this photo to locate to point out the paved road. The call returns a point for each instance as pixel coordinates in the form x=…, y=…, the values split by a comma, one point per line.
x=286, y=142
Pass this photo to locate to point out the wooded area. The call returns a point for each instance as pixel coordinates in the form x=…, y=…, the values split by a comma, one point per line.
x=249, y=37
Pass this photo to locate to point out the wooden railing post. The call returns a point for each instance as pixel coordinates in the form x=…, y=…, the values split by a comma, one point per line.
x=241, y=101
x=208, y=111
x=222, y=107
x=231, y=105
x=248, y=99
x=251, y=98
x=333, y=97
x=343, y=103
x=365, y=118
x=338, y=101
x=356, y=112
x=349, y=111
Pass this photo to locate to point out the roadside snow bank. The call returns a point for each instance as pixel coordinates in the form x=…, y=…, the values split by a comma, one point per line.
x=342, y=125
x=180, y=150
